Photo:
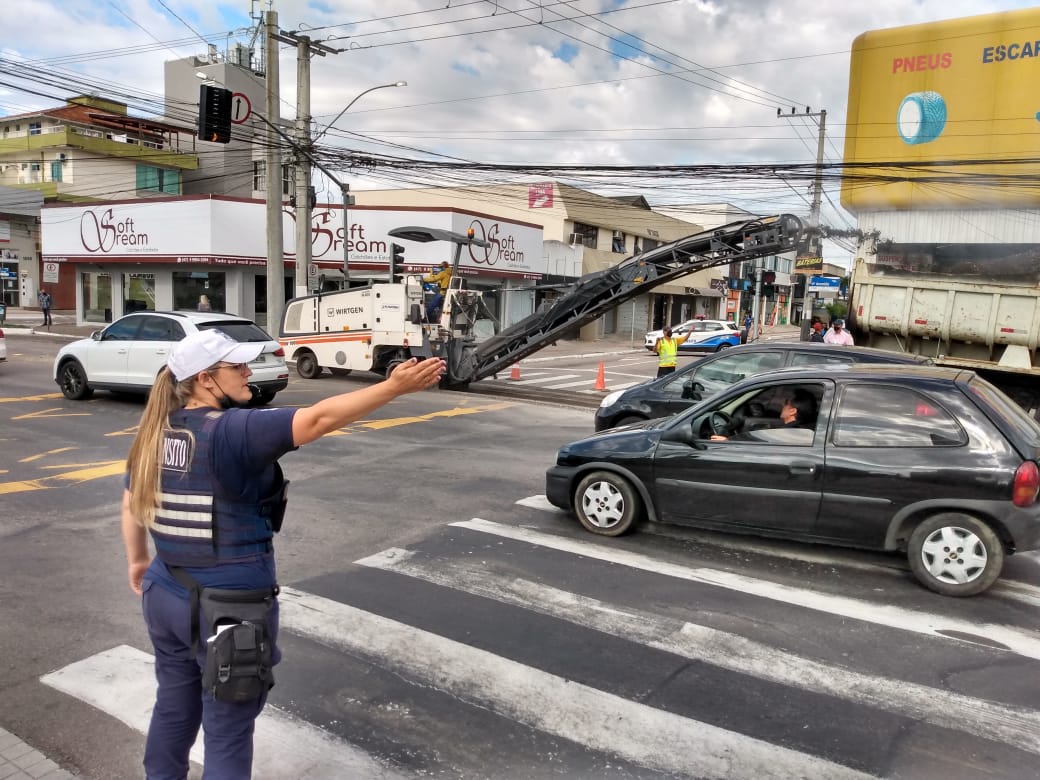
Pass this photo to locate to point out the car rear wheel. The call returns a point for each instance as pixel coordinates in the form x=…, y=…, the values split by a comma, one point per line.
x=955, y=554
x=263, y=399
x=723, y=346
x=307, y=365
x=73, y=382
x=606, y=503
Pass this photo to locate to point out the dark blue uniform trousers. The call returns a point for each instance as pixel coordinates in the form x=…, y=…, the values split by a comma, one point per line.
x=181, y=707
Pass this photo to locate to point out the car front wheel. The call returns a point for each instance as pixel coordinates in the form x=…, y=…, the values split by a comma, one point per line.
x=606, y=503
x=73, y=382
x=955, y=554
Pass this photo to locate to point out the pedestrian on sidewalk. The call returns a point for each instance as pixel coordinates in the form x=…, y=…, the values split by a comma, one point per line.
x=45, y=301
x=203, y=480
x=667, y=349
x=838, y=335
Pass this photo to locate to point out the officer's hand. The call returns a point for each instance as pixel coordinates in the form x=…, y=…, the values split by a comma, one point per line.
x=415, y=374
x=136, y=573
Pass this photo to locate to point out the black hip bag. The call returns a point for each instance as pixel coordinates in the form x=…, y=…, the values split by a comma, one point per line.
x=239, y=649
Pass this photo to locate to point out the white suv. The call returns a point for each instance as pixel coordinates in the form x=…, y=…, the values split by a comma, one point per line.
x=128, y=354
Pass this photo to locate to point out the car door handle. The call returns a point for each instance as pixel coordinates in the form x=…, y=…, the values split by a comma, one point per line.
x=802, y=467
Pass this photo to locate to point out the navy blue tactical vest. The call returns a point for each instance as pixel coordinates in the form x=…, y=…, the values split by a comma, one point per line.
x=194, y=524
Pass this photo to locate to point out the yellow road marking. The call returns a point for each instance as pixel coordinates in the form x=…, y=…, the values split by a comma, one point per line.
x=46, y=397
x=118, y=467
x=132, y=430
x=47, y=413
x=112, y=469
x=394, y=422
x=31, y=458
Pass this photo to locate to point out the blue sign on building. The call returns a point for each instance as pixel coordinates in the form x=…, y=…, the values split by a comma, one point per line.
x=824, y=284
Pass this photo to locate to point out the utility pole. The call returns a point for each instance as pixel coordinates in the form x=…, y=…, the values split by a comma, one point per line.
x=814, y=245
x=304, y=205
x=273, y=166
x=814, y=225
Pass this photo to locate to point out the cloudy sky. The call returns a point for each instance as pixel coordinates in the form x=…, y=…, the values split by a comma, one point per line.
x=519, y=82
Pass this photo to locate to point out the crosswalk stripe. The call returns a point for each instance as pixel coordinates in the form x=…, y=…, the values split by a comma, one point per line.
x=1005, y=588
x=601, y=721
x=542, y=379
x=121, y=683
x=1015, y=726
x=999, y=637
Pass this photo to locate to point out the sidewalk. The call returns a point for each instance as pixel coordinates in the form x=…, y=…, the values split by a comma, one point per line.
x=19, y=761
x=28, y=322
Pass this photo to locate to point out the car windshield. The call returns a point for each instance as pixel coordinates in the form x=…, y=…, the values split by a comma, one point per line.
x=239, y=331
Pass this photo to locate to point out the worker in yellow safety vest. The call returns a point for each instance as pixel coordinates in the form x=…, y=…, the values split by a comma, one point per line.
x=667, y=349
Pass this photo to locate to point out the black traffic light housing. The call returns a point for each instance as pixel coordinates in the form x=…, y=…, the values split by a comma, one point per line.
x=768, y=291
x=396, y=254
x=769, y=277
x=214, y=114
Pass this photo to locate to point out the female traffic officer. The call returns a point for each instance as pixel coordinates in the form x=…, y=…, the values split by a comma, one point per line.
x=203, y=479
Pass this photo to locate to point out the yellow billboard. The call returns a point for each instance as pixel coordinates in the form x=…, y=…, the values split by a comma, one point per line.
x=945, y=114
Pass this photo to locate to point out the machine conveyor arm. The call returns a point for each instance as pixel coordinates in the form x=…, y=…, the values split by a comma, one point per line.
x=596, y=293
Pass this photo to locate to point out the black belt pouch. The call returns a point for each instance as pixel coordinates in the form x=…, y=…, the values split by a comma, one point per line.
x=239, y=650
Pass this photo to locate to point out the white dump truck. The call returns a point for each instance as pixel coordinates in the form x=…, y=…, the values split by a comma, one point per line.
x=977, y=309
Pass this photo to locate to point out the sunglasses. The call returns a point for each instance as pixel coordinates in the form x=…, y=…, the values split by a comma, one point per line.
x=240, y=367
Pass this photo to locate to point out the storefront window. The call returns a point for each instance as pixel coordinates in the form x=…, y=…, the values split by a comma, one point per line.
x=97, y=297
x=138, y=293
x=189, y=287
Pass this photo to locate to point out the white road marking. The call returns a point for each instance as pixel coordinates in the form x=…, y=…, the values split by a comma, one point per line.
x=121, y=683
x=586, y=383
x=1025, y=643
x=1015, y=726
x=1005, y=588
x=543, y=379
x=602, y=721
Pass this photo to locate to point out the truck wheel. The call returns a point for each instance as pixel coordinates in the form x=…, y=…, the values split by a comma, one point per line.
x=72, y=380
x=955, y=554
x=307, y=365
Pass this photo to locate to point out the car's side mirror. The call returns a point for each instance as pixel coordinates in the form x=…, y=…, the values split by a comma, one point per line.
x=96, y=335
x=692, y=390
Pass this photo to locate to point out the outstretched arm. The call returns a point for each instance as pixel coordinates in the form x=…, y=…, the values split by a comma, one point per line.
x=313, y=422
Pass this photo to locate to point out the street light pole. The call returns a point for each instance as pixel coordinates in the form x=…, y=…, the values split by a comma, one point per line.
x=344, y=188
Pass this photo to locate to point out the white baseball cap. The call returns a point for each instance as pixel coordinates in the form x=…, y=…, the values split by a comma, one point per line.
x=205, y=348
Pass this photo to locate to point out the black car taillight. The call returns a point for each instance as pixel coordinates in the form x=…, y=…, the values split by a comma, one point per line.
x=1027, y=484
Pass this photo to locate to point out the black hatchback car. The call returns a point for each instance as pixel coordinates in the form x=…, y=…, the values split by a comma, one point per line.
x=697, y=381
x=935, y=462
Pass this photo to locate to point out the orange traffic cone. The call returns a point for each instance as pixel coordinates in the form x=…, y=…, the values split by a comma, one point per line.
x=601, y=382
x=514, y=373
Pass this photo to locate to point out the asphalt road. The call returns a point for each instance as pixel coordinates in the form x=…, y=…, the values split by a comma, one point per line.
x=439, y=619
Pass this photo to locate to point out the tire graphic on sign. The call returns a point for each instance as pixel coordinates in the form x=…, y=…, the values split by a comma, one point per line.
x=921, y=117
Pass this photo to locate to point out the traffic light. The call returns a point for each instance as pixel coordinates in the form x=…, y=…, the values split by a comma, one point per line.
x=769, y=277
x=214, y=114
x=396, y=254
x=768, y=291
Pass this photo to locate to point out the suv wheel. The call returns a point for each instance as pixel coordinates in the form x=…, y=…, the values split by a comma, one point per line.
x=955, y=554
x=606, y=503
x=72, y=380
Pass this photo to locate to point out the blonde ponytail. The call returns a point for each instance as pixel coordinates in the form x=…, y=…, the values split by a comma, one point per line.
x=144, y=460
